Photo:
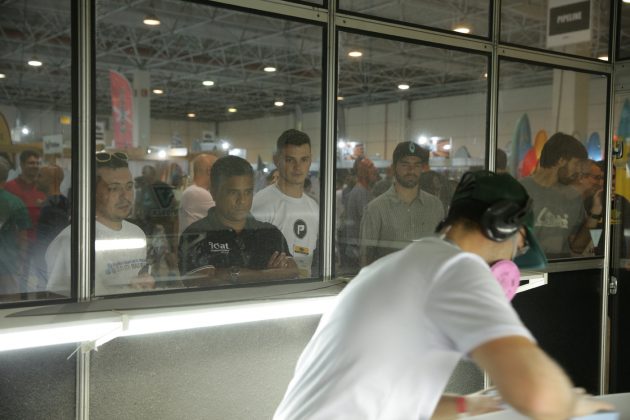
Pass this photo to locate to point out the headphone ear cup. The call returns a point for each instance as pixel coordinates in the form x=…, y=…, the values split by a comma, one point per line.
x=497, y=222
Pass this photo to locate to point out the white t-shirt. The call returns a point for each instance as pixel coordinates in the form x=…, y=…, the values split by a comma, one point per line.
x=297, y=219
x=193, y=206
x=119, y=256
x=390, y=343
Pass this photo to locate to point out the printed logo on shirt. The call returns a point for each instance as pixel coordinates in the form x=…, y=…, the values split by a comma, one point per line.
x=546, y=218
x=219, y=247
x=299, y=228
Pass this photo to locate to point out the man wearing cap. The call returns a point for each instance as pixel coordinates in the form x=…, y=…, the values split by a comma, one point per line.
x=388, y=346
x=404, y=212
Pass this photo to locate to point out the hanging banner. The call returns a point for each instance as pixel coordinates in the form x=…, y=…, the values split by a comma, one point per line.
x=5, y=132
x=569, y=22
x=122, y=110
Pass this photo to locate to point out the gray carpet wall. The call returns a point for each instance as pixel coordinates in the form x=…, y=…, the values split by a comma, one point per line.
x=227, y=373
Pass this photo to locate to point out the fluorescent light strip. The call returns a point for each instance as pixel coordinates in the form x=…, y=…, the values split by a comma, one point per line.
x=138, y=322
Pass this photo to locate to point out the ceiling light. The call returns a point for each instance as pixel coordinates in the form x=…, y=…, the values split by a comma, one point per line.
x=485, y=75
x=207, y=83
x=232, y=110
x=269, y=69
x=162, y=154
x=151, y=20
x=2, y=75
x=355, y=54
x=340, y=98
x=403, y=86
x=225, y=145
x=158, y=91
x=34, y=62
x=462, y=29
x=626, y=1
x=191, y=115
x=604, y=57
x=278, y=103
x=26, y=131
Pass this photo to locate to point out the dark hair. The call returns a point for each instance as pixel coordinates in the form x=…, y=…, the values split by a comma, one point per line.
x=561, y=146
x=293, y=137
x=229, y=166
x=27, y=154
x=501, y=160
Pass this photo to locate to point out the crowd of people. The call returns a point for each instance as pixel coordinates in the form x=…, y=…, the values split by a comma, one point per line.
x=225, y=228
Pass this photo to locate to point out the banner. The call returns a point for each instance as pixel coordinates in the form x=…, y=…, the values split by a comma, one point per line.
x=122, y=110
x=569, y=22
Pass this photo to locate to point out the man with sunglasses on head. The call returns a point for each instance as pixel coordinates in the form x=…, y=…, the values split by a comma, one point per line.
x=229, y=246
x=120, y=246
x=388, y=346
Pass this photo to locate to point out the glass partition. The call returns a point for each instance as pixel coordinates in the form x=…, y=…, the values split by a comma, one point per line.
x=470, y=17
x=411, y=120
x=623, y=42
x=191, y=102
x=552, y=136
x=571, y=27
x=35, y=142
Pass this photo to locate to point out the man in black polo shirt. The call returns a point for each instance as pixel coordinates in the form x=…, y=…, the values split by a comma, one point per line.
x=229, y=246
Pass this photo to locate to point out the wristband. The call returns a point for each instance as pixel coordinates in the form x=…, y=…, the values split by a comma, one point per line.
x=461, y=406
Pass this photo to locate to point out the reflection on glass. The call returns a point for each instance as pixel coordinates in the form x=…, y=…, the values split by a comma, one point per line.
x=35, y=139
x=624, y=31
x=407, y=131
x=469, y=17
x=577, y=28
x=176, y=97
x=551, y=132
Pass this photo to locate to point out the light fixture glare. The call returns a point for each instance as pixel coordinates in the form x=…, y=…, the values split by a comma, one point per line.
x=151, y=20
x=232, y=110
x=403, y=86
x=270, y=69
x=278, y=103
x=207, y=83
x=34, y=63
x=355, y=54
x=158, y=91
x=462, y=29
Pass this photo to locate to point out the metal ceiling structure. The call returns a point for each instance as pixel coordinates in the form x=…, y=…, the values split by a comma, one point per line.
x=231, y=47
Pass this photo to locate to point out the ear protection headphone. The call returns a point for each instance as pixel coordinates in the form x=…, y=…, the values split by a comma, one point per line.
x=503, y=219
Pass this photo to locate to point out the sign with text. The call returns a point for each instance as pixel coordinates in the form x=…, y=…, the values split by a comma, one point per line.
x=569, y=22
x=53, y=144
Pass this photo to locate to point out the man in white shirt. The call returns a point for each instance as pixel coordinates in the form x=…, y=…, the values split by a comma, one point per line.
x=286, y=205
x=196, y=199
x=391, y=341
x=120, y=246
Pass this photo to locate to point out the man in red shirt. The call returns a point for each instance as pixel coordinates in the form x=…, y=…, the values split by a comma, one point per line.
x=24, y=188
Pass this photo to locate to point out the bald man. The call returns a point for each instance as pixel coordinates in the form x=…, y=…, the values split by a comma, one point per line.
x=54, y=216
x=196, y=199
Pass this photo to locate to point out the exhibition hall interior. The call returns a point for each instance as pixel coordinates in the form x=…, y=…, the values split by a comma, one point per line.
x=114, y=114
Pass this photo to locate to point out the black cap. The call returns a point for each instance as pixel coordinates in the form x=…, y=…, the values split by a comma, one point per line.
x=409, y=148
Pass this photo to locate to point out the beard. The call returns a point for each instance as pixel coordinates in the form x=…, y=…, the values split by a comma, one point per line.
x=408, y=182
x=564, y=177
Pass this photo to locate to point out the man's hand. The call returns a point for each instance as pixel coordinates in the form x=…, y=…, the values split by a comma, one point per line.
x=143, y=282
x=280, y=260
x=585, y=404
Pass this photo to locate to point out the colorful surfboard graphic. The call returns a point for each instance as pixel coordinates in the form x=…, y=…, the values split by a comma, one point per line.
x=521, y=143
x=622, y=182
x=594, y=147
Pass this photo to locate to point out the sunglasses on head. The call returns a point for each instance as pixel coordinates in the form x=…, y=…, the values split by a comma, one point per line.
x=104, y=157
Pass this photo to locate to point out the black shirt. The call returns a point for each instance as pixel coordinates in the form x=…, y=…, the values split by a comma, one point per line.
x=210, y=242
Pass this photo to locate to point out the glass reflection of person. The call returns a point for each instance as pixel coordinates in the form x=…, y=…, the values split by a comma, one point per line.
x=229, y=246
x=561, y=223
x=120, y=246
x=404, y=212
x=286, y=203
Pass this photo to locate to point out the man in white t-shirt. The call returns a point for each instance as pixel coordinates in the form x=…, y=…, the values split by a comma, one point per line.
x=390, y=343
x=120, y=246
x=286, y=205
x=196, y=199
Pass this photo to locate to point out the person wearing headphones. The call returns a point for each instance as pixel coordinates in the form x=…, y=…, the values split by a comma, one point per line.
x=387, y=348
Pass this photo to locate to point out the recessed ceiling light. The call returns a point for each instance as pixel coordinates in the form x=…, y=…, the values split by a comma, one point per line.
x=340, y=98
x=158, y=91
x=485, y=75
x=207, y=83
x=403, y=86
x=151, y=20
x=34, y=62
x=278, y=103
x=232, y=110
x=2, y=75
x=191, y=115
x=462, y=29
x=270, y=69
x=604, y=57
x=355, y=54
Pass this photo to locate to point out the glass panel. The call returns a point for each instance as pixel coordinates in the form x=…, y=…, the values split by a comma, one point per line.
x=624, y=32
x=35, y=142
x=572, y=27
x=395, y=93
x=562, y=172
x=470, y=17
x=204, y=83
